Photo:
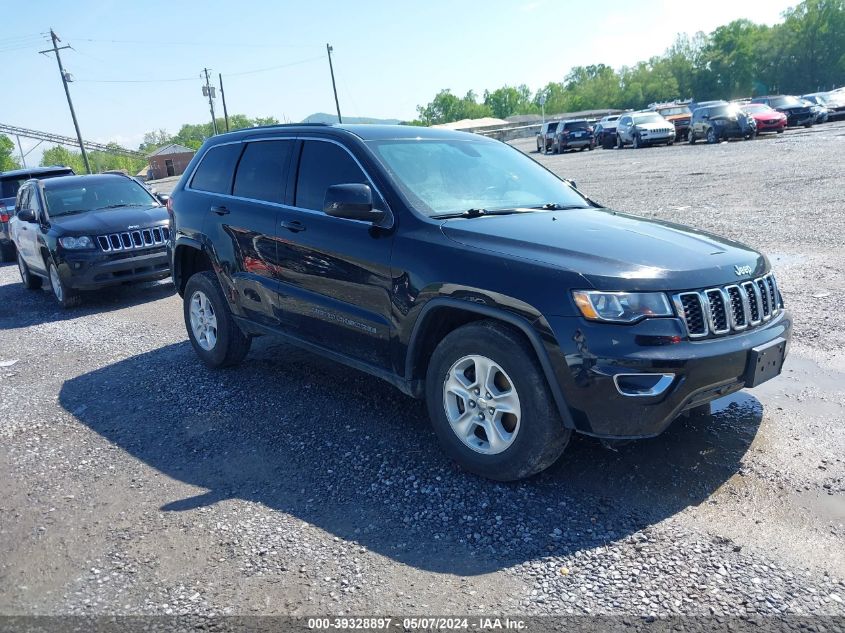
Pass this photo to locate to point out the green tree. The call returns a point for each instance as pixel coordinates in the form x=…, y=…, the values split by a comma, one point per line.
x=507, y=100
x=7, y=150
x=446, y=107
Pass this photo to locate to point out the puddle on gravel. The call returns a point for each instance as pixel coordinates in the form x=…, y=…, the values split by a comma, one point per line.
x=823, y=507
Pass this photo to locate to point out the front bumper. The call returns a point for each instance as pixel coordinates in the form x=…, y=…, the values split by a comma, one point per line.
x=88, y=270
x=588, y=359
x=802, y=118
x=657, y=138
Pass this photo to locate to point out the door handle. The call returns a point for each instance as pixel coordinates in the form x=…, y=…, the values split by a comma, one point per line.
x=220, y=210
x=295, y=226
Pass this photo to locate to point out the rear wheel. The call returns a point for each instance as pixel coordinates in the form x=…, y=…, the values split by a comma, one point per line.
x=30, y=281
x=65, y=296
x=216, y=337
x=490, y=404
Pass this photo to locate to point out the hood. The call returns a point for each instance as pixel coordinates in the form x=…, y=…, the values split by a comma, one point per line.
x=768, y=116
x=110, y=220
x=613, y=251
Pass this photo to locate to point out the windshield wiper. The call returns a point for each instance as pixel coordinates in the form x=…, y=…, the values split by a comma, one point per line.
x=554, y=206
x=469, y=213
x=71, y=212
x=115, y=206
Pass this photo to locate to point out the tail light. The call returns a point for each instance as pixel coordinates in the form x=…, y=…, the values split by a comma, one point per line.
x=4, y=217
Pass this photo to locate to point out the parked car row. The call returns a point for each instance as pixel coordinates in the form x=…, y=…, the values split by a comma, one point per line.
x=691, y=121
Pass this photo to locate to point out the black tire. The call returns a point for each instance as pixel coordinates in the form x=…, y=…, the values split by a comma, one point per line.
x=779, y=131
x=637, y=143
x=555, y=148
x=711, y=136
x=619, y=143
x=30, y=281
x=541, y=436
x=691, y=137
x=7, y=252
x=231, y=345
x=606, y=142
x=66, y=297
x=808, y=125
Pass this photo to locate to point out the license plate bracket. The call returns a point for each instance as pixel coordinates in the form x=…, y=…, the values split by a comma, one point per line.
x=765, y=362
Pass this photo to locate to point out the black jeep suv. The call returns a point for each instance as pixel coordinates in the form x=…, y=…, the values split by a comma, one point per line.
x=87, y=232
x=461, y=271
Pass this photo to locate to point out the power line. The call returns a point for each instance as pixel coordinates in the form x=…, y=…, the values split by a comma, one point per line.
x=203, y=44
x=194, y=78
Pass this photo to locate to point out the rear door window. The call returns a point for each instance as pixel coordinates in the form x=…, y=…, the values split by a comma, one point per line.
x=322, y=165
x=216, y=169
x=263, y=171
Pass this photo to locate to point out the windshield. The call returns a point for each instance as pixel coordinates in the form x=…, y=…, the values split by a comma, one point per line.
x=756, y=108
x=650, y=117
x=674, y=111
x=785, y=102
x=451, y=176
x=80, y=196
x=726, y=110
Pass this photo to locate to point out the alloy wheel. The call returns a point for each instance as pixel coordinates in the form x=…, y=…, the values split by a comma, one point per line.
x=482, y=404
x=56, y=283
x=203, y=321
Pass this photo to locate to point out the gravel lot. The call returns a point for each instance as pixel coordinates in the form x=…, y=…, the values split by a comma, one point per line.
x=135, y=481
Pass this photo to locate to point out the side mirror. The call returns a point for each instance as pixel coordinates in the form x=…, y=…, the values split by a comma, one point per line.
x=26, y=215
x=162, y=197
x=352, y=201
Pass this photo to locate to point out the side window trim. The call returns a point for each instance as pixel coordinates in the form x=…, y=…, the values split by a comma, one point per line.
x=367, y=175
x=293, y=176
x=190, y=182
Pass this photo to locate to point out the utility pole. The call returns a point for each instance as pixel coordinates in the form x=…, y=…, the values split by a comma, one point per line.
x=209, y=91
x=65, y=75
x=223, y=97
x=329, y=50
x=20, y=149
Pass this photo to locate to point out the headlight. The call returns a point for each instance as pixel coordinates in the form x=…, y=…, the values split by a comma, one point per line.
x=76, y=243
x=621, y=307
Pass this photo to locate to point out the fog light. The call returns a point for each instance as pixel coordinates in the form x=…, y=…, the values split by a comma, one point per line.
x=642, y=385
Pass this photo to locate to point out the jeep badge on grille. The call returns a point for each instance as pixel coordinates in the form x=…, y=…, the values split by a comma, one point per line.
x=742, y=270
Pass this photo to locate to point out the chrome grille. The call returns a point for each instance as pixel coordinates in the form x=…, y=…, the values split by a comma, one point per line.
x=131, y=240
x=732, y=308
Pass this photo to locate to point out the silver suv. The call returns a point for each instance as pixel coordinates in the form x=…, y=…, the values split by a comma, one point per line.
x=643, y=128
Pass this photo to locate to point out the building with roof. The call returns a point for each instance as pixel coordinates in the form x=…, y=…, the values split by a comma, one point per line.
x=170, y=160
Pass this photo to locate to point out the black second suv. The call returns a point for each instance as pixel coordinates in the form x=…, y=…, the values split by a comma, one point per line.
x=10, y=183
x=461, y=271
x=720, y=122
x=88, y=232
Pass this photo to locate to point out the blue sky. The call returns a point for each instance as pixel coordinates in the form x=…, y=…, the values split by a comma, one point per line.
x=389, y=56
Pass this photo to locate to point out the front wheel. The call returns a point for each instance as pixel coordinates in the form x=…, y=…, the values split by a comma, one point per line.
x=216, y=337
x=490, y=404
x=691, y=137
x=711, y=136
x=780, y=131
x=619, y=143
x=637, y=142
x=30, y=281
x=66, y=297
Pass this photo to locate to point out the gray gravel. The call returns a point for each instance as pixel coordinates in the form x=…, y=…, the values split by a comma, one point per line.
x=137, y=481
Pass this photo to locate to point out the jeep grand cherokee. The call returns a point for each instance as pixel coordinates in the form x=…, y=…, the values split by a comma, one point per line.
x=461, y=271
